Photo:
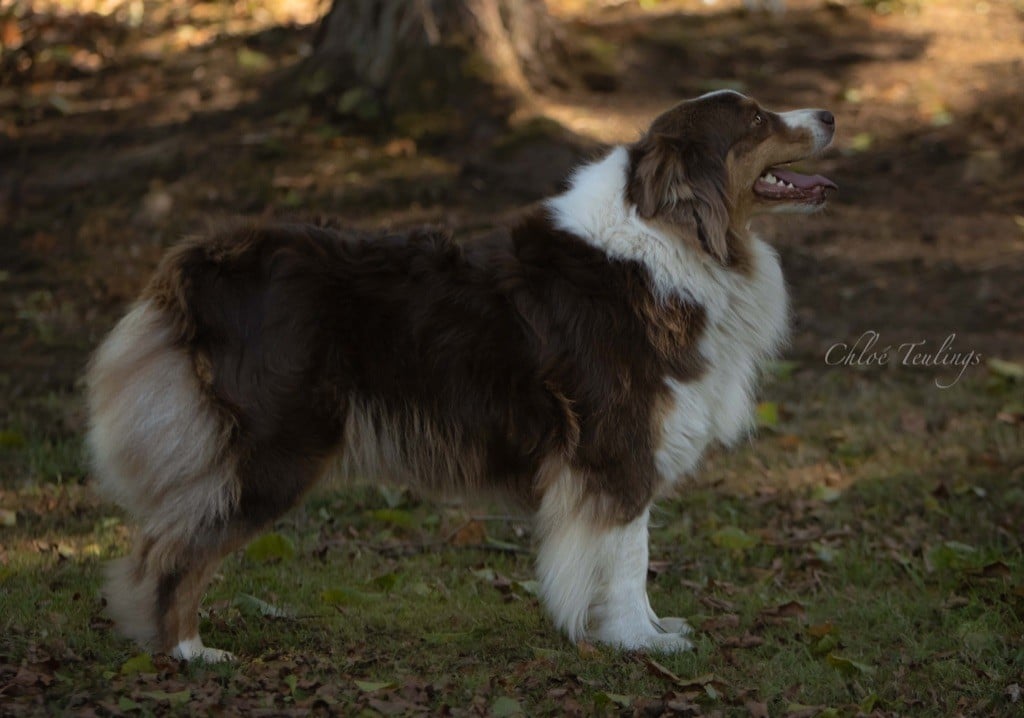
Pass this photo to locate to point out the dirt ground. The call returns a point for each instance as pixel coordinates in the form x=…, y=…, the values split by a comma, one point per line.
x=126, y=125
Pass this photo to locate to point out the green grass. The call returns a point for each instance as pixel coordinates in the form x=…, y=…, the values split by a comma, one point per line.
x=880, y=571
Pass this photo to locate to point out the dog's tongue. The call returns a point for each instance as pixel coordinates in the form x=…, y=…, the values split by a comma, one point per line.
x=803, y=181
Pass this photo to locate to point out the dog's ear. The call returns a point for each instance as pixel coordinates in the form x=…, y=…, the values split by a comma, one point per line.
x=683, y=187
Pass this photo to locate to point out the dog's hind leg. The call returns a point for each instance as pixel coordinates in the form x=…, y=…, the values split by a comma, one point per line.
x=177, y=464
x=154, y=593
x=271, y=481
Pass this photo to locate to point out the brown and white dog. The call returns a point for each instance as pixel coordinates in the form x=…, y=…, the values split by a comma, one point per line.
x=578, y=363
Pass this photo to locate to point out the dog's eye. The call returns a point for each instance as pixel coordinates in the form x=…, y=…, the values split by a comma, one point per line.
x=758, y=119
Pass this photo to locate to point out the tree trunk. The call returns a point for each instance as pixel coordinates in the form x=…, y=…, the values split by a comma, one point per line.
x=421, y=55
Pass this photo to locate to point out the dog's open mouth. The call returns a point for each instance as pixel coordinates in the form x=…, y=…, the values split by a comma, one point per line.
x=781, y=185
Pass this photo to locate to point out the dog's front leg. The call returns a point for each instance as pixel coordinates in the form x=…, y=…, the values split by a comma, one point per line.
x=623, y=615
x=593, y=574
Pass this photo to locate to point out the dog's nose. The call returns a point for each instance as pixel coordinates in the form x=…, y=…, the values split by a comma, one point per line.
x=826, y=118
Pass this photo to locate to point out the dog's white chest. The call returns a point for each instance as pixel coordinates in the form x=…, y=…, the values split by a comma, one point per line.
x=746, y=322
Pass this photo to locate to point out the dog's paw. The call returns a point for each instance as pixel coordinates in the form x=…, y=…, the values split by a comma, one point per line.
x=668, y=643
x=671, y=624
x=192, y=649
x=648, y=637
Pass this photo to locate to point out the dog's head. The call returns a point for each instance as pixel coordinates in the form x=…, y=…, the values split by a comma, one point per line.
x=707, y=165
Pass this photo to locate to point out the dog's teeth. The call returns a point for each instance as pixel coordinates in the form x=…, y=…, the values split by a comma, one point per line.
x=770, y=178
x=790, y=185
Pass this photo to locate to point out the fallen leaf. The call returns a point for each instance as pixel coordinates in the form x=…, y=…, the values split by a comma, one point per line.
x=727, y=620
x=395, y=517
x=767, y=414
x=996, y=569
x=602, y=699
x=826, y=494
x=374, y=686
x=825, y=645
x=951, y=555
x=790, y=609
x=659, y=670
x=756, y=709
x=142, y=663
x=1013, y=692
x=252, y=606
x=1011, y=414
x=471, y=533
x=747, y=640
x=270, y=547
x=127, y=704
x=178, y=698
x=821, y=629
x=1006, y=369
x=530, y=587
x=28, y=677
x=507, y=546
x=11, y=439
x=503, y=707
x=386, y=582
x=734, y=538
x=847, y=666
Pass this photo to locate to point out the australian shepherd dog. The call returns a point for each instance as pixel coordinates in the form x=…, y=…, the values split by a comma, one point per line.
x=578, y=364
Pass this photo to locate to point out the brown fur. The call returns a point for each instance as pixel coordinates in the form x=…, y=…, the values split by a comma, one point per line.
x=691, y=173
x=468, y=365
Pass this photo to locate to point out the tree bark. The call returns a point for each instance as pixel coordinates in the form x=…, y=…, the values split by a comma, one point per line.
x=414, y=55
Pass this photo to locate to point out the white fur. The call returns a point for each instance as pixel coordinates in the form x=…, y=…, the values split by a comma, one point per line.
x=593, y=579
x=594, y=208
x=808, y=120
x=746, y=317
x=568, y=557
x=153, y=439
x=622, y=615
x=192, y=649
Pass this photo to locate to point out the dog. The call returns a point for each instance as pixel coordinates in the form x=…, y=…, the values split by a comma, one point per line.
x=577, y=363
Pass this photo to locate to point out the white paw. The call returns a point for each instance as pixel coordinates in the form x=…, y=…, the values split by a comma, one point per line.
x=671, y=624
x=645, y=635
x=668, y=643
x=192, y=649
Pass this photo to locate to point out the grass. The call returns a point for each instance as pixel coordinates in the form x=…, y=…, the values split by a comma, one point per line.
x=850, y=560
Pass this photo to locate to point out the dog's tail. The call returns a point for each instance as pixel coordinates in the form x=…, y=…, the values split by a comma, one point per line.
x=157, y=447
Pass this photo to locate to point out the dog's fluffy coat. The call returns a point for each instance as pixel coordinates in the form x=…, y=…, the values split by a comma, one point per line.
x=578, y=363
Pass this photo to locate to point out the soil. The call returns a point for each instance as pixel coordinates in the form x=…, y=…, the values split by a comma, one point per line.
x=121, y=131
